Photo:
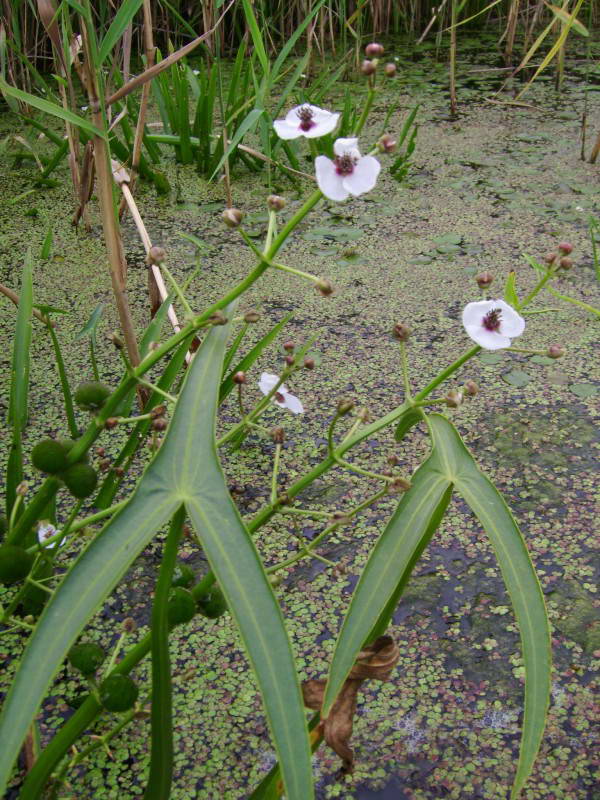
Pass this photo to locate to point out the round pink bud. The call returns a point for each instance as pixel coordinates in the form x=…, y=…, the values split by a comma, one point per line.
x=566, y=262
x=398, y=485
x=402, y=331
x=390, y=70
x=232, y=217
x=324, y=286
x=289, y=347
x=218, y=318
x=555, y=351
x=251, y=316
x=275, y=202
x=344, y=407
x=454, y=398
x=156, y=255
x=565, y=247
x=374, y=50
x=111, y=423
x=484, y=279
x=159, y=424
x=550, y=258
x=240, y=378
x=471, y=388
x=387, y=144
x=290, y=360
x=278, y=435
x=309, y=363
x=368, y=67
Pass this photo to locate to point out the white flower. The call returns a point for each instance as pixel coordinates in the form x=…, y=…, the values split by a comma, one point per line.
x=46, y=531
x=282, y=397
x=492, y=323
x=306, y=120
x=348, y=174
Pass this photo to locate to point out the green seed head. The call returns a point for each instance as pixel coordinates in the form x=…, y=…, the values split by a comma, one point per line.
x=182, y=606
x=80, y=480
x=91, y=395
x=86, y=658
x=213, y=605
x=15, y=563
x=49, y=456
x=118, y=693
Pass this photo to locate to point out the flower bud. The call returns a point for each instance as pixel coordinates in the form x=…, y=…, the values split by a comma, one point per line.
x=239, y=378
x=344, y=407
x=119, y=472
x=129, y=625
x=324, y=286
x=368, y=67
x=402, y=331
x=21, y=489
x=374, y=50
x=550, y=258
x=278, y=435
x=309, y=363
x=156, y=255
x=251, y=316
x=290, y=360
x=387, y=144
x=398, y=485
x=232, y=217
x=454, y=398
x=100, y=452
x=484, y=279
x=339, y=518
x=289, y=346
x=104, y=465
x=363, y=414
x=566, y=262
x=392, y=459
x=565, y=248
x=470, y=388
x=218, y=318
x=111, y=423
x=390, y=70
x=117, y=341
x=158, y=411
x=555, y=351
x=159, y=424
x=275, y=202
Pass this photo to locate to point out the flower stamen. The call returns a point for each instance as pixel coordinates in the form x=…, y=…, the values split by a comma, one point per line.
x=492, y=320
x=344, y=165
x=306, y=115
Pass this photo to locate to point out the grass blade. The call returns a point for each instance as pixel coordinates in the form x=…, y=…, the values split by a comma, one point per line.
x=127, y=11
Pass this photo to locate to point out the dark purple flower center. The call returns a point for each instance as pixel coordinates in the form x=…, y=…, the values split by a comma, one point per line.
x=279, y=397
x=306, y=118
x=492, y=320
x=344, y=165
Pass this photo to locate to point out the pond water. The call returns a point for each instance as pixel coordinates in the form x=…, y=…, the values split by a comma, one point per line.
x=484, y=188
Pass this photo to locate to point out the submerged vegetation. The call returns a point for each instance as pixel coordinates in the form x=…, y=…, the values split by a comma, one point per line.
x=167, y=506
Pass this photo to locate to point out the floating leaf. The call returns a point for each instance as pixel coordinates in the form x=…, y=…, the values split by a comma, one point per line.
x=491, y=358
x=584, y=390
x=517, y=377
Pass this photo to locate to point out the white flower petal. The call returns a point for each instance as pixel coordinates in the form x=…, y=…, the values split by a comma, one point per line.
x=323, y=126
x=292, y=403
x=473, y=313
x=287, y=130
x=489, y=340
x=364, y=176
x=267, y=382
x=342, y=146
x=292, y=116
x=329, y=182
x=511, y=323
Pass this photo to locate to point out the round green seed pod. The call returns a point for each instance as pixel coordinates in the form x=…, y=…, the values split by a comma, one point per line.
x=15, y=564
x=118, y=693
x=182, y=575
x=86, y=658
x=91, y=395
x=181, y=607
x=213, y=605
x=68, y=444
x=80, y=479
x=49, y=456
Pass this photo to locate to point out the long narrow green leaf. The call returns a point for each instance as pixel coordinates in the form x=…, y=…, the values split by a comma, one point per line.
x=50, y=108
x=122, y=18
x=248, y=123
x=257, y=39
x=287, y=47
x=185, y=470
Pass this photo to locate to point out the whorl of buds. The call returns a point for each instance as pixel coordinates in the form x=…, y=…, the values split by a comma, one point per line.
x=484, y=279
x=398, y=485
x=387, y=143
x=454, y=398
x=344, y=407
x=232, y=217
x=555, y=351
x=470, y=388
x=277, y=435
x=251, y=316
x=368, y=67
x=550, y=258
x=390, y=70
x=156, y=255
x=240, y=378
x=565, y=248
x=374, y=50
x=218, y=318
x=324, y=286
x=402, y=332
x=275, y=202
x=289, y=346
x=111, y=423
x=566, y=262
x=309, y=363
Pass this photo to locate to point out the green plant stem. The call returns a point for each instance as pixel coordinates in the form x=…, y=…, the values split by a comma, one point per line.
x=33, y=510
x=64, y=381
x=274, y=491
x=161, y=758
x=538, y=288
x=93, y=359
x=83, y=523
x=405, y=373
x=186, y=306
x=366, y=109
